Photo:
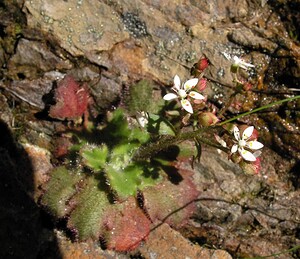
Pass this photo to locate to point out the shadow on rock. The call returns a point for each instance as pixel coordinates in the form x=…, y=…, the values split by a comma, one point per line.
x=23, y=234
x=295, y=175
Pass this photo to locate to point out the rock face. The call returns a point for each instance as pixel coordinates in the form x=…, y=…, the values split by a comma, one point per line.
x=236, y=211
x=111, y=44
x=124, y=36
x=79, y=26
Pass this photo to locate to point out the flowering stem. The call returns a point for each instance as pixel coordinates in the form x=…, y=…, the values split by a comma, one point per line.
x=258, y=109
x=164, y=142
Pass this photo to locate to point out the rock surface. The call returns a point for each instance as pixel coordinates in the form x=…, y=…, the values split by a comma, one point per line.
x=165, y=242
x=238, y=212
x=112, y=44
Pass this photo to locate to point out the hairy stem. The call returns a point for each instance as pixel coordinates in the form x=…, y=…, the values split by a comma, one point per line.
x=258, y=109
x=164, y=142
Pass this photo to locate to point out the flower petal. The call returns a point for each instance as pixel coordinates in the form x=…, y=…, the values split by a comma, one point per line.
x=238, y=62
x=177, y=82
x=226, y=55
x=196, y=95
x=170, y=96
x=221, y=141
x=247, y=133
x=142, y=118
x=248, y=156
x=188, y=85
x=241, y=63
x=247, y=64
x=236, y=133
x=234, y=148
x=257, y=154
x=254, y=145
x=201, y=85
x=187, y=105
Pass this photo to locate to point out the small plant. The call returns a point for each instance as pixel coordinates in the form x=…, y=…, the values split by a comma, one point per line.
x=105, y=193
x=71, y=100
x=120, y=178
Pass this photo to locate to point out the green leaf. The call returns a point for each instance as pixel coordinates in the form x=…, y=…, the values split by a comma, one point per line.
x=150, y=178
x=94, y=156
x=140, y=135
x=127, y=181
x=188, y=149
x=60, y=188
x=89, y=214
x=117, y=129
x=121, y=155
x=140, y=96
x=160, y=126
x=124, y=181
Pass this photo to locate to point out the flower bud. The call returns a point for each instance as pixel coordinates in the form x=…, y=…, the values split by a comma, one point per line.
x=207, y=119
x=200, y=66
x=185, y=119
x=252, y=168
x=201, y=85
x=221, y=141
x=247, y=86
x=142, y=118
x=234, y=68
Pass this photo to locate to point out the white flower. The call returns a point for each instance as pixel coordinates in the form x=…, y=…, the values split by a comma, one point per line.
x=241, y=63
x=226, y=55
x=220, y=140
x=237, y=62
x=142, y=118
x=183, y=91
x=243, y=142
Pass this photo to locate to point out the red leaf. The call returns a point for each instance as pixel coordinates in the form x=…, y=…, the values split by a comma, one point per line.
x=172, y=203
x=71, y=100
x=62, y=145
x=126, y=226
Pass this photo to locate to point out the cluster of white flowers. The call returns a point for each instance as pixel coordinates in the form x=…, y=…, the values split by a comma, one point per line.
x=244, y=144
x=182, y=92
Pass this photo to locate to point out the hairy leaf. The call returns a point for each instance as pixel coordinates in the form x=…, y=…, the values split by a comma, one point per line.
x=88, y=216
x=94, y=156
x=172, y=202
x=71, y=100
x=60, y=188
